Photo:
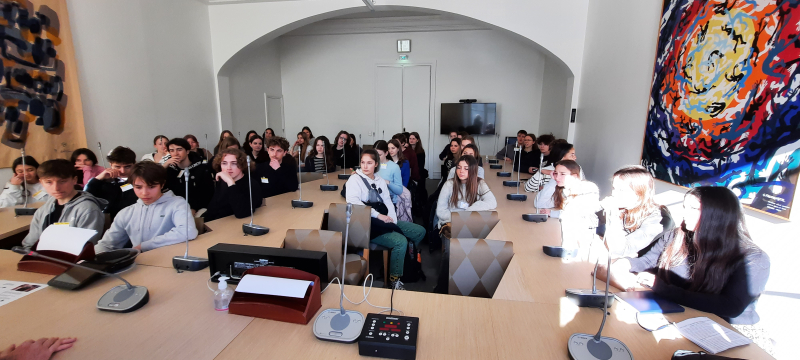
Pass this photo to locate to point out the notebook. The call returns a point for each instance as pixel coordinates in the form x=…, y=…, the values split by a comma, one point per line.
x=648, y=302
x=712, y=337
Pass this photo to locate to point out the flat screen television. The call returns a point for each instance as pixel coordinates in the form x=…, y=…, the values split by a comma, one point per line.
x=474, y=118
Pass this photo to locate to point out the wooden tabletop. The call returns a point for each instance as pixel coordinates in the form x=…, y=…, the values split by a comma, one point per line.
x=10, y=224
x=529, y=317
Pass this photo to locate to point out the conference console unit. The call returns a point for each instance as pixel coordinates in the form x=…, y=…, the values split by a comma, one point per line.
x=389, y=336
x=233, y=260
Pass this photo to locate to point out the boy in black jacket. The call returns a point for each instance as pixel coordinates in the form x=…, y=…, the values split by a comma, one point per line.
x=201, y=183
x=234, y=193
x=279, y=175
x=112, y=184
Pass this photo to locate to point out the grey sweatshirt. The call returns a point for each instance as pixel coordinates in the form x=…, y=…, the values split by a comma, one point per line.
x=484, y=202
x=357, y=193
x=84, y=211
x=152, y=226
x=15, y=194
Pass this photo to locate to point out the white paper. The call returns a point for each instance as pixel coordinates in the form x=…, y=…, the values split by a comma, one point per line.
x=65, y=239
x=710, y=336
x=13, y=290
x=268, y=285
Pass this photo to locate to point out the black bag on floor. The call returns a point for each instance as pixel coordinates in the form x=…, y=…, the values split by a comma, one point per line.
x=412, y=265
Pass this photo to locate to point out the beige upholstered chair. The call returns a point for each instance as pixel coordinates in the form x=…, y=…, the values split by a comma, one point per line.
x=472, y=224
x=477, y=266
x=331, y=243
x=359, y=230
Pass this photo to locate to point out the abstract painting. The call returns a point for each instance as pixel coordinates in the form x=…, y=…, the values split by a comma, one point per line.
x=724, y=107
x=40, y=105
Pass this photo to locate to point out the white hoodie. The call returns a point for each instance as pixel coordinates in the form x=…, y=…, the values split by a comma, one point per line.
x=357, y=193
x=15, y=194
x=152, y=226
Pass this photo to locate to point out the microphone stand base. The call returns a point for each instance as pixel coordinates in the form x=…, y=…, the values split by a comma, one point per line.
x=24, y=211
x=510, y=183
x=504, y=173
x=120, y=299
x=303, y=204
x=559, y=252
x=329, y=187
x=331, y=325
x=537, y=218
x=494, y=161
x=190, y=263
x=255, y=230
x=587, y=298
x=517, y=197
x=344, y=176
x=585, y=347
x=495, y=166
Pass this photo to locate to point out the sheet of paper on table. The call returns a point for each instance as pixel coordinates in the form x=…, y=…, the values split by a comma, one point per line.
x=64, y=238
x=267, y=285
x=13, y=290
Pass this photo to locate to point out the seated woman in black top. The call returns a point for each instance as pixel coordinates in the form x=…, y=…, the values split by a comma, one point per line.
x=320, y=158
x=255, y=149
x=344, y=155
x=279, y=175
x=232, y=193
x=416, y=145
x=530, y=156
x=708, y=263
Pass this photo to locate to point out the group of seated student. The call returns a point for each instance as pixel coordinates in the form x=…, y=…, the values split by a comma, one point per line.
x=707, y=261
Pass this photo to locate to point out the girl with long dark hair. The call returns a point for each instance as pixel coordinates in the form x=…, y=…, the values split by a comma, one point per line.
x=388, y=170
x=344, y=154
x=452, y=157
x=561, y=150
x=255, y=149
x=415, y=141
x=396, y=155
x=708, y=263
x=319, y=155
x=204, y=153
x=300, y=148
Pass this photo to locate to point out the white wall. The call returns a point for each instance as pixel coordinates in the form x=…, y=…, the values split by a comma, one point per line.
x=556, y=100
x=254, y=75
x=617, y=71
x=145, y=68
x=328, y=81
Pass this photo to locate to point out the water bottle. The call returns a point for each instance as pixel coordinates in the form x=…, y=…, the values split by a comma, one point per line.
x=223, y=295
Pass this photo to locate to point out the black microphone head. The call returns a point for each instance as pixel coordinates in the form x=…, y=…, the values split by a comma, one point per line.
x=20, y=250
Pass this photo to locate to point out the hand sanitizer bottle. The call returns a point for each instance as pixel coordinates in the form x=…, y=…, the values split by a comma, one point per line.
x=222, y=297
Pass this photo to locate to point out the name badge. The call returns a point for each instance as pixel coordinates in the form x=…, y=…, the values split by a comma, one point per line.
x=383, y=166
x=126, y=187
x=61, y=223
x=205, y=161
x=39, y=194
x=264, y=180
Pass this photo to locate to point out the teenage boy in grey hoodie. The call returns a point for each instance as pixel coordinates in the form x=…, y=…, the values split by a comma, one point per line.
x=66, y=205
x=157, y=219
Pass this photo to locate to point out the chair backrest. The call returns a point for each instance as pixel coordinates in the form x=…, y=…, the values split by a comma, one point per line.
x=473, y=224
x=359, y=223
x=477, y=266
x=318, y=240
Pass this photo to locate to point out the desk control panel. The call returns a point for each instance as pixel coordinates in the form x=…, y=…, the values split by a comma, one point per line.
x=389, y=336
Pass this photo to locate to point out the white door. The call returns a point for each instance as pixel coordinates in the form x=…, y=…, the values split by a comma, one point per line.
x=417, y=106
x=388, y=101
x=275, y=115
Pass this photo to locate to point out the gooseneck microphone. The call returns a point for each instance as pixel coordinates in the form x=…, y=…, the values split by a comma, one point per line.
x=340, y=325
x=517, y=196
x=206, y=150
x=300, y=203
x=186, y=262
x=344, y=175
x=597, y=347
x=536, y=217
x=328, y=186
x=24, y=210
x=505, y=173
x=251, y=229
x=121, y=299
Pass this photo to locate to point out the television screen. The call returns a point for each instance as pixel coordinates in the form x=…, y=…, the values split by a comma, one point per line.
x=475, y=118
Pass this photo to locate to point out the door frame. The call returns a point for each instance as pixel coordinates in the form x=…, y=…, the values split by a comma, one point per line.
x=429, y=154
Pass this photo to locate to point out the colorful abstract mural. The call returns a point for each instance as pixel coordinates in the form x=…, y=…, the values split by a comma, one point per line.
x=40, y=105
x=724, y=107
